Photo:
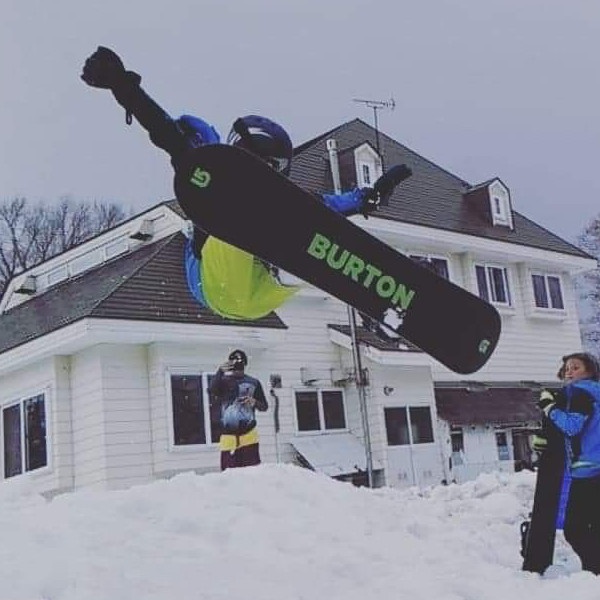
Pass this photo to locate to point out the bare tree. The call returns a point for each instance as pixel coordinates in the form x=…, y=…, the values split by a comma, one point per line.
x=30, y=234
x=589, y=288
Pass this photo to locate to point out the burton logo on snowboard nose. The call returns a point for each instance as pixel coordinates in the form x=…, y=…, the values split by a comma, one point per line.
x=200, y=178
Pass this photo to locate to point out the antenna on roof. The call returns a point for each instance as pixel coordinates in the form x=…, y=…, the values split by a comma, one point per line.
x=377, y=105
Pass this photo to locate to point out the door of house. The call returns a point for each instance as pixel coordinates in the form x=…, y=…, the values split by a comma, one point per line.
x=413, y=457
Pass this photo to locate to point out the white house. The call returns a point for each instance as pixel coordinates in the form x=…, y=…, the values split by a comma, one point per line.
x=105, y=357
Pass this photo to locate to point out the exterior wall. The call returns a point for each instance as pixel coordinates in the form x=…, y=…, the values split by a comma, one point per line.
x=532, y=341
x=411, y=464
x=51, y=378
x=481, y=453
x=88, y=419
x=164, y=360
x=307, y=344
x=111, y=416
x=109, y=419
x=126, y=413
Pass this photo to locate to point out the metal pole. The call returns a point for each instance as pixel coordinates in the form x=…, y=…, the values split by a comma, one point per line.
x=362, y=395
x=377, y=105
x=358, y=370
x=375, y=108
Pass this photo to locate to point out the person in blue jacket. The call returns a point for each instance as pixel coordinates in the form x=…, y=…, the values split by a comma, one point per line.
x=221, y=277
x=576, y=414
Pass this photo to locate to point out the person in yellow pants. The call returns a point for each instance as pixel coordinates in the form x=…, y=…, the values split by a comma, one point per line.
x=239, y=396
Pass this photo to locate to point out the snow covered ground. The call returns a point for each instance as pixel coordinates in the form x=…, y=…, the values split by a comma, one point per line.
x=277, y=532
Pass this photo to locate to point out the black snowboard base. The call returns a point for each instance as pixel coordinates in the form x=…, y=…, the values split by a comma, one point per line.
x=236, y=197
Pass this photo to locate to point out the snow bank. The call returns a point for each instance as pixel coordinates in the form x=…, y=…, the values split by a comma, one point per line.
x=277, y=532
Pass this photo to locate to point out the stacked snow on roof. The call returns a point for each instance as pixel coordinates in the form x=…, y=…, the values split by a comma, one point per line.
x=276, y=532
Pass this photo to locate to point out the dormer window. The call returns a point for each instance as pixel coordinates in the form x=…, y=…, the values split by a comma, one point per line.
x=368, y=165
x=500, y=200
x=491, y=200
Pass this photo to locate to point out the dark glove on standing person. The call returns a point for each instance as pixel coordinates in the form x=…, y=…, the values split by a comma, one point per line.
x=546, y=402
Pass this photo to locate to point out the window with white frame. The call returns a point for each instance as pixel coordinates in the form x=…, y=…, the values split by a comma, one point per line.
x=406, y=425
x=196, y=419
x=547, y=291
x=500, y=201
x=492, y=284
x=434, y=263
x=24, y=436
x=320, y=410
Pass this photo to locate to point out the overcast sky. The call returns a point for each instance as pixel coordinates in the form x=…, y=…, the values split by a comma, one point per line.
x=484, y=88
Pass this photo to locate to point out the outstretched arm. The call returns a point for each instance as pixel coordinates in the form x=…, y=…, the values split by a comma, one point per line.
x=366, y=200
x=104, y=69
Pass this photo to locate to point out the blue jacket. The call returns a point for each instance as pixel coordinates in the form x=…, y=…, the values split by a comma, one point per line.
x=580, y=424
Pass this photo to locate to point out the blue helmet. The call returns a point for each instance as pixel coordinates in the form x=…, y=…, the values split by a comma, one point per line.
x=197, y=131
x=265, y=138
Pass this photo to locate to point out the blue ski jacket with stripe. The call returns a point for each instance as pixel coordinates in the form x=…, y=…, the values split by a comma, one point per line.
x=580, y=424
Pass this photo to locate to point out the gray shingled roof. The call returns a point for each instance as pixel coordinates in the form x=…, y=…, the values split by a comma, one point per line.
x=432, y=197
x=495, y=406
x=146, y=285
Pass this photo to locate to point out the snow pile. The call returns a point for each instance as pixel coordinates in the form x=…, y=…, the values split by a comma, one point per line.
x=277, y=532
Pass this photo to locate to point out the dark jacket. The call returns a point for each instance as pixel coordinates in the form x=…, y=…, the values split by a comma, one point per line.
x=229, y=390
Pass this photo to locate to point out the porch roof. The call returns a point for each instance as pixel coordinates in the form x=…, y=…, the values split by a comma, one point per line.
x=487, y=406
x=333, y=454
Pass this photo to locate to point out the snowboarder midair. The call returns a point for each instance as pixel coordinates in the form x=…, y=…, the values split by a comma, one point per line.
x=227, y=280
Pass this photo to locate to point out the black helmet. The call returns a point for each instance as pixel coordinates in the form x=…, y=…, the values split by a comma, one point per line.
x=238, y=355
x=265, y=138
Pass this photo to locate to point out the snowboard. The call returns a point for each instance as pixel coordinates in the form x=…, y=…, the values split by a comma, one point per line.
x=539, y=533
x=236, y=197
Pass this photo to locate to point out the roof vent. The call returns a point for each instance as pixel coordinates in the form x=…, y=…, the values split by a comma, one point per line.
x=143, y=231
x=26, y=286
x=308, y=376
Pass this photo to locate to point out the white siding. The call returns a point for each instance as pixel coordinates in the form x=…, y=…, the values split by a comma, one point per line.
x=50, y=378
x=481, y=453
x=419, y=464
x=529, y=348
x=127, y=437
x=308, y=345
x=111, y=413
x=88, y=419
x=164, y=359
x=109, y=405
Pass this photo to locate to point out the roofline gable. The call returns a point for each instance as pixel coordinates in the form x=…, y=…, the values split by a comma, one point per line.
x=100, y=240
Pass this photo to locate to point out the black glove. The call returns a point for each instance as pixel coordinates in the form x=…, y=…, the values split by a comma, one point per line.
x=104, y=69
x=546, y=402
x=380, y=193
